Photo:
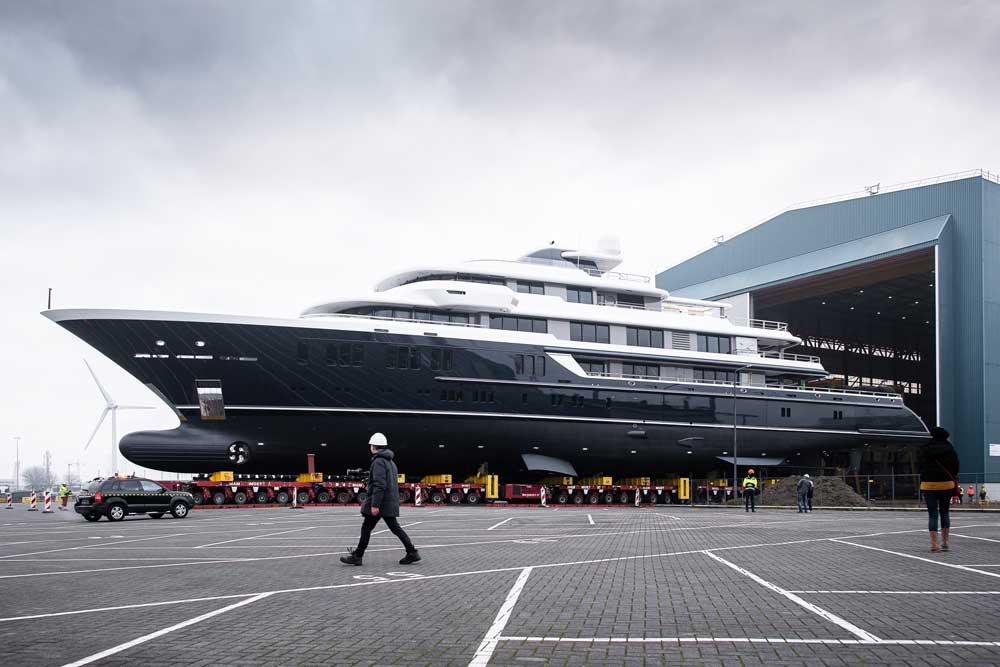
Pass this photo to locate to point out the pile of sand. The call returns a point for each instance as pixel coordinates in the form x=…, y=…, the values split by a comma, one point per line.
x=828, y=492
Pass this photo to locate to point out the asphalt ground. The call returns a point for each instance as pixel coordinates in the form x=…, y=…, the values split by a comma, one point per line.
x=500, y=586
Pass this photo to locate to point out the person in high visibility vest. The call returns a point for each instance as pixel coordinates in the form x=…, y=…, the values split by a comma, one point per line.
x=750, y=486
x=63, y=496
x=982, y=494
x=971, y=492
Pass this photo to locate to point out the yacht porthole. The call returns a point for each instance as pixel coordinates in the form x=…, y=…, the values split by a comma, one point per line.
x=199, y=343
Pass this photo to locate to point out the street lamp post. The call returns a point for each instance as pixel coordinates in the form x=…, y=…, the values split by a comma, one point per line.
x=17, y=463
x=736, y=452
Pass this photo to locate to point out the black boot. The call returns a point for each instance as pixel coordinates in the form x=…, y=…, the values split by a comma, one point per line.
x=410, y=557
x=351, y=558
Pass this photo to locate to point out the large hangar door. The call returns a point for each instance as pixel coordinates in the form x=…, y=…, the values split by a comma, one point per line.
x=872, y=324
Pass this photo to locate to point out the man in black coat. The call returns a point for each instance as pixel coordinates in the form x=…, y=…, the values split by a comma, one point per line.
x=382, y=503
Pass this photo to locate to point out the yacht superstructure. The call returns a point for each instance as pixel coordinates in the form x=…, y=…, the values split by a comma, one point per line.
x=553, y=362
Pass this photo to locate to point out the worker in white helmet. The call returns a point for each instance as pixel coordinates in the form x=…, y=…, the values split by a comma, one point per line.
x=382, y=502
x=802, y=492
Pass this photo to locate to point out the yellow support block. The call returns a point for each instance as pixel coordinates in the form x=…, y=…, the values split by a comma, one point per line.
x=491, y=482
x=666, y=481
x=684, y=489
x=310, y=477
x=221, y=476
x=557, y=480
x=596, y=481
x=400, y=478
x=635, y=481
x=436, y=479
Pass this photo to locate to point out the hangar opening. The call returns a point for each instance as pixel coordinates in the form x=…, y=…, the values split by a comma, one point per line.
x=872, y=324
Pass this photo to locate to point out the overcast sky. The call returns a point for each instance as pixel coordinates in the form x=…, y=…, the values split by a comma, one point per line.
x=258, y=157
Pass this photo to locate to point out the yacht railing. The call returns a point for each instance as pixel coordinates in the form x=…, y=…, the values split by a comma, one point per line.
x=630, y=306
x=807, y=358
x=617, y=275
x=759, y=324
x=723, y=383
x=399, y=319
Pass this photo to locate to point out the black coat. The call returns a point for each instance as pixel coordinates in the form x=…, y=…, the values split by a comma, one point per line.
x=938, y=462
x=383, y=490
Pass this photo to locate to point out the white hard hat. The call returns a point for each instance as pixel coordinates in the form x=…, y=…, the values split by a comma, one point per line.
x=806, y=475
x=378, y=440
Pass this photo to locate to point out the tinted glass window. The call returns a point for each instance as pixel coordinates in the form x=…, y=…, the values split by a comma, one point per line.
x=150, y=486
x=129, y=486
x=93, y=487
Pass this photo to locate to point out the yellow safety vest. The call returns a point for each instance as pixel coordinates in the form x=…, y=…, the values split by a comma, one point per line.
x=750, y=481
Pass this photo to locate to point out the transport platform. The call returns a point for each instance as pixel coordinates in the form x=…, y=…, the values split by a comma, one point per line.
x=520, y=586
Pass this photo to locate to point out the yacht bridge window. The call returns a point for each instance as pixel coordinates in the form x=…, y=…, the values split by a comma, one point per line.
x=526, y=324
x=641, y=370
x=587, y=332
x=716, y=344
x=643, y=337
x=579, y=295
x=530, y=288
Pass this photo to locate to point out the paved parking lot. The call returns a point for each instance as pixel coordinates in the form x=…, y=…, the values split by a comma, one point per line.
x=500, y=586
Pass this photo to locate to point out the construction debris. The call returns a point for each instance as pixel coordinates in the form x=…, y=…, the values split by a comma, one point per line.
x=828, y=492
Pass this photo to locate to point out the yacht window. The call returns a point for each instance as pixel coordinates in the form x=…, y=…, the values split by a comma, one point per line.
x=587, y=332
x=459, y=318
x=715, y=344
x=579, y=295
x=440, y=360
x=631, y=299
x=713, y=375
x=530, y=288
x=345, y=354
x=331, y=354
x=786, y=412
x=640, y=370
x=402, y=314
x=357, y=354
x=519, y=364
x=528, y=324
x=643, y=337
x=593, y=367
x=303, y=353
x=383, y=312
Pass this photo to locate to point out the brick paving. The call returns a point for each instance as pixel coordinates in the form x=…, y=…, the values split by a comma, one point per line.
x=622, y=586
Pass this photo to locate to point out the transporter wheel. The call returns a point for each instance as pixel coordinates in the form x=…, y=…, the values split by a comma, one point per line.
x=560, y=498
x=455, y=498
x=623, y=498
x=282, y=497
x=472, y=497
x=343, y=497
x=218, y=498
x=180, y=510
x=302, y=497
x=404, y=496
x=117, y=512
x=261, y=497
x=323, y=497
x=577, y=497
x=241, y=498
x=199, y=497
x=435, y=497
x=156, y=515
x=592, y=498
x=361, y=497
x=92, y=516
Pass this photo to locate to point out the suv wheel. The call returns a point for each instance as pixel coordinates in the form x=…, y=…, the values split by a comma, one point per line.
x=92, y=516
x=117, y=512
x=179, y=510
x=156, y=515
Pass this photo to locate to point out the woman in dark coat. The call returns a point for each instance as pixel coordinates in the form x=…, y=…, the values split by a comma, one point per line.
x=938, y=481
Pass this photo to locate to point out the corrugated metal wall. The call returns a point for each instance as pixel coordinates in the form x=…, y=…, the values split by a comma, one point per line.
x=972, y=299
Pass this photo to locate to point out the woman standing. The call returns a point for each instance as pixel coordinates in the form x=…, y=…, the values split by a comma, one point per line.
x=938, y=482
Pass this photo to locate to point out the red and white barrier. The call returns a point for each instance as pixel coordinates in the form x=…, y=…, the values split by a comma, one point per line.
x=48, y=502
x=34, y=503
x=10, y=501
x=418, y=498
x=637, y=497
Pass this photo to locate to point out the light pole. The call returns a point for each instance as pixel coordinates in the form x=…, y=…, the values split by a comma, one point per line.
x=17, y=463
x=736, y=451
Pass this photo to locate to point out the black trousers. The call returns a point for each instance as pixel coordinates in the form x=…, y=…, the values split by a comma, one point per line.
x=749, y=500
x=394, y=528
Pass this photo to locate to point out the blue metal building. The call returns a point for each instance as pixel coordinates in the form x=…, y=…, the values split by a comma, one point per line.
x=901, y=287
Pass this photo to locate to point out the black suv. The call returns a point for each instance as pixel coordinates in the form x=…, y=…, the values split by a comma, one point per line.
x=116, y=497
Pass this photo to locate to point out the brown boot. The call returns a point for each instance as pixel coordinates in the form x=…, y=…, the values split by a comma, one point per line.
x=945, y=532
x=934, y=541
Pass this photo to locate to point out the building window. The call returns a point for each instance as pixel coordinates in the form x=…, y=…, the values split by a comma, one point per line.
x=579, y=295
x=530, y=288
x=593, y=367
x=713, y=375
x=526, y=324
x=641, y=370
x=716, y=344
x=586, y=332
x=643, y=337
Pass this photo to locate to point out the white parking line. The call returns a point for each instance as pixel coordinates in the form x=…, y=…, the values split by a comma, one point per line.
x=921, y=558
x=91, y=546
x=819, y=611
x=590, y=519
x=252, y=537
x=497, y=525
x=974, y=537
x=159, y=633
x=492, y=637
x=386, y=530
x=751, y=640
x=898, y=592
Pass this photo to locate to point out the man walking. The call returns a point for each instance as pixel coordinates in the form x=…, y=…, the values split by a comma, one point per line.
x=382, y=503
x=63, y=496
x=802, y=489
x=750, y=491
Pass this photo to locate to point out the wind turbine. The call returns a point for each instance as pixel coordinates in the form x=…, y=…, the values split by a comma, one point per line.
x=112, y=407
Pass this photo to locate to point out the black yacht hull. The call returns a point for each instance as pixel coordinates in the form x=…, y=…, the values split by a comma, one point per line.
x=294, y=389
